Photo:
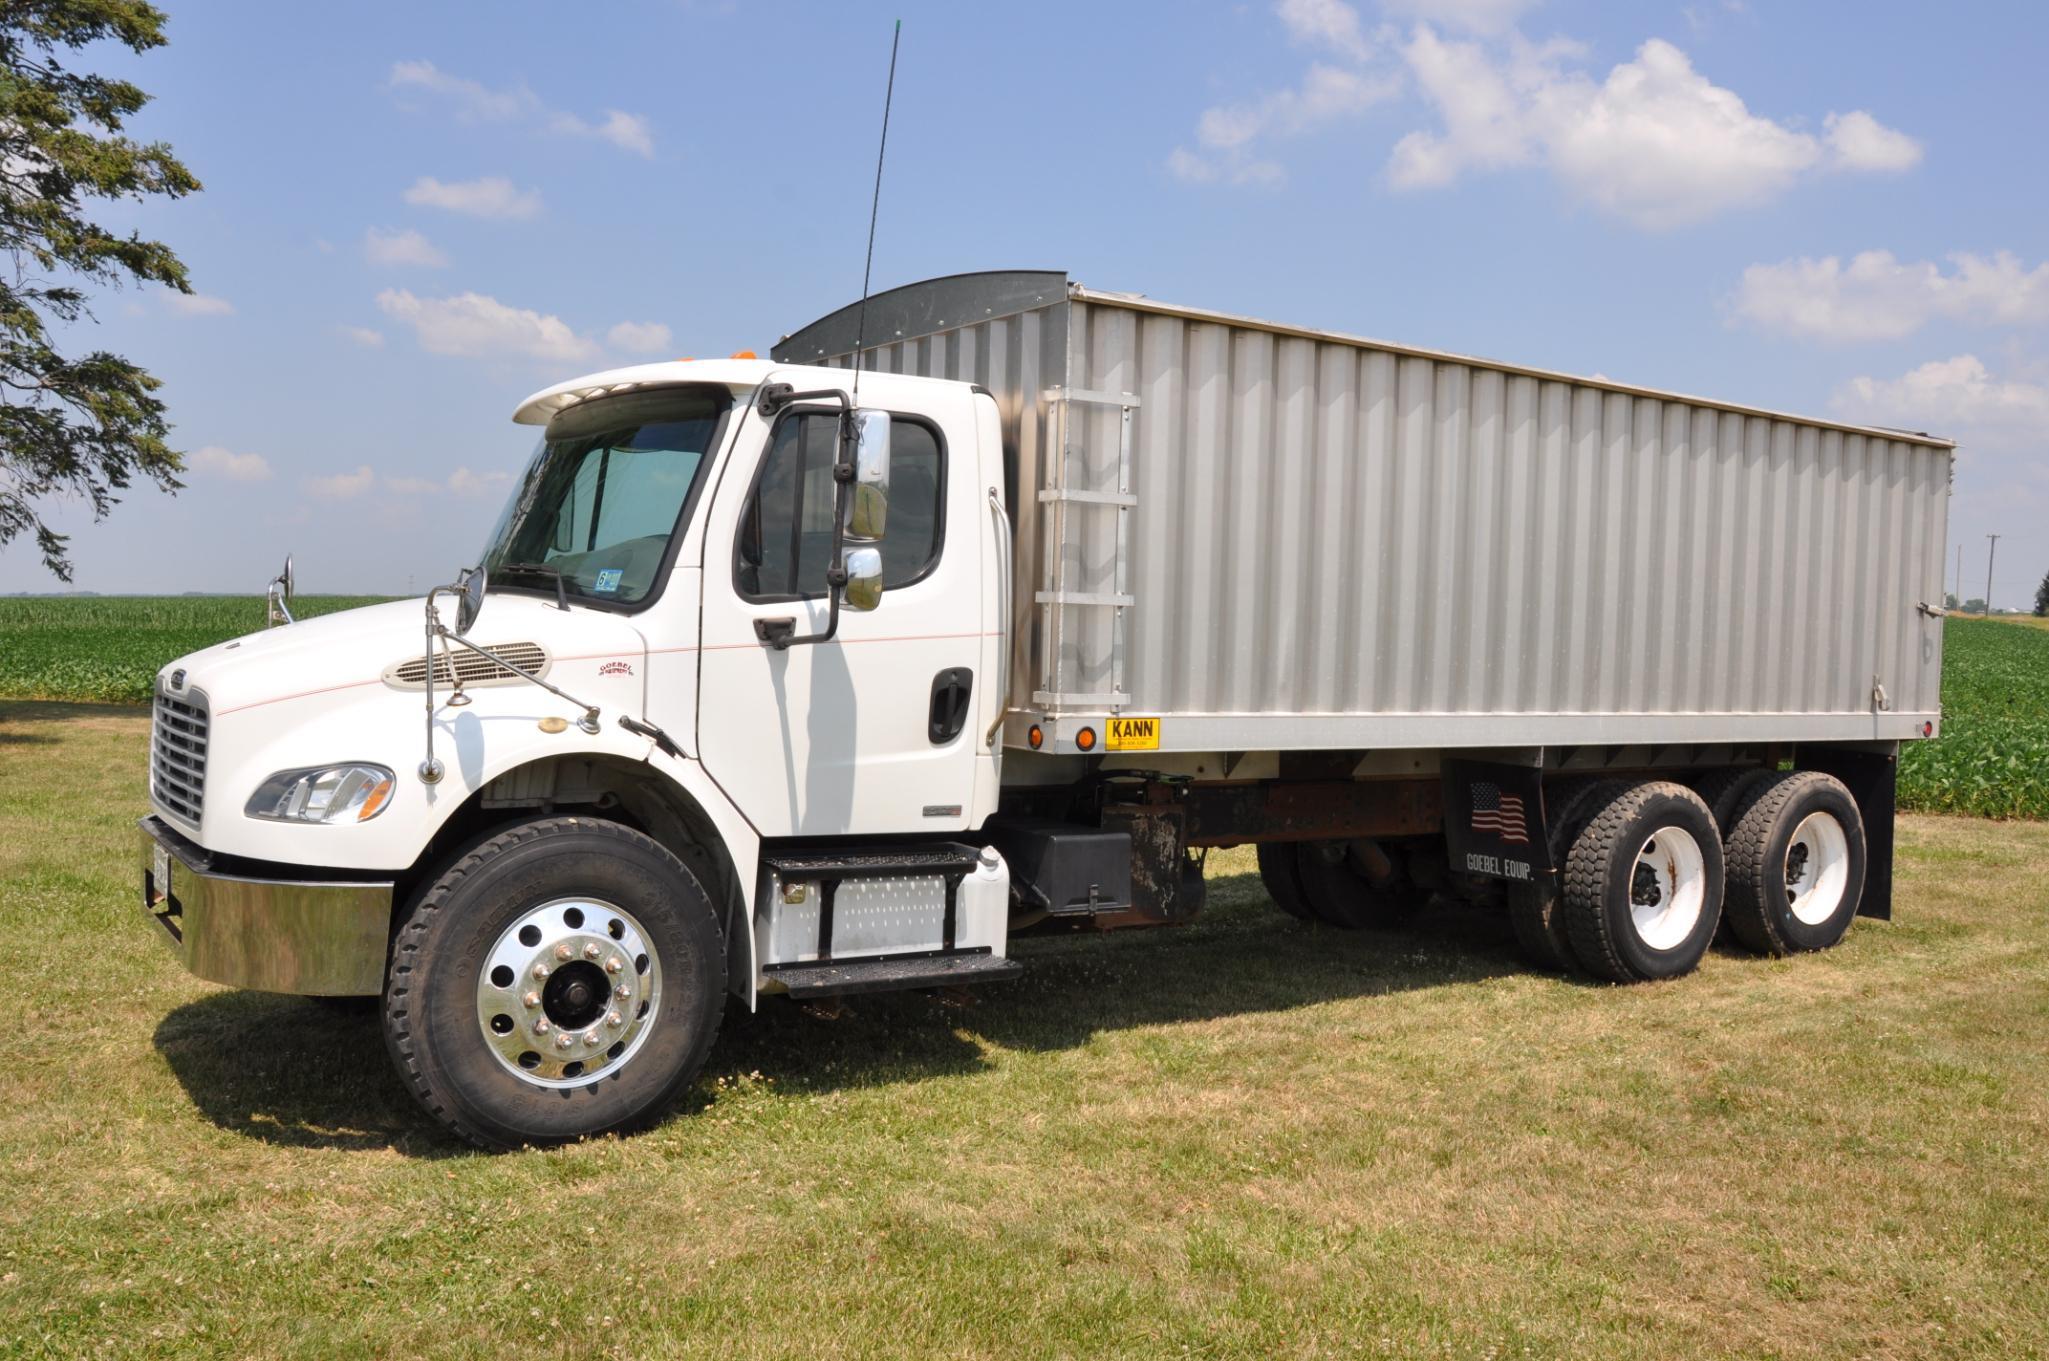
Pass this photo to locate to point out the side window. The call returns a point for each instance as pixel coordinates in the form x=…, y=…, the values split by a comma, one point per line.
x=786, y=534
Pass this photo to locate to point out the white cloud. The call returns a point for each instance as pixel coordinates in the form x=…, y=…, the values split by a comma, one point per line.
x=491, y=196
x=366, y=337
x=342, y=486
x=406, y=247
x=1948, y=396
x=1328, y=23
x=1857, y=141
x=1655, y=143
x=639, y=337
x=411, y=486
x=1875, y=296
x=198, y=305
x=463, y=482
x=1477, y=16
x=214, y=461
x=473, y=100
x=476, y=102
x=627, y=131
x=1227, y=132
x=474, y=325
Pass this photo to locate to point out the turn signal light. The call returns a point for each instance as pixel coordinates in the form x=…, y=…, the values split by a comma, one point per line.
x=1086, y=739
x=1036, y=736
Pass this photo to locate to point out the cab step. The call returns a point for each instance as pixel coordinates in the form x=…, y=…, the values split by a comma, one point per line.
x=829, y=978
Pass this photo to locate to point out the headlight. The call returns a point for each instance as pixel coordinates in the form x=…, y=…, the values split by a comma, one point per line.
x=349, y=793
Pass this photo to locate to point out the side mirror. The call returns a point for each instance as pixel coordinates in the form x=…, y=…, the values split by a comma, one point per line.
x=277, y=600
x=868, y=507
x=863, y=590
x=469, y=602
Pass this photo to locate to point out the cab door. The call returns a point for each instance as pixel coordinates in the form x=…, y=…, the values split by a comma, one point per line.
x=871, y=732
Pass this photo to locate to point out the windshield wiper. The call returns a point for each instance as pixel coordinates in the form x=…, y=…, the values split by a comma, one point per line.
x=561, y=592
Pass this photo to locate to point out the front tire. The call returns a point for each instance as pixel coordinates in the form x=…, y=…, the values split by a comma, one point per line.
x=1796, y=865
x=562, y=978
x=1643, y=884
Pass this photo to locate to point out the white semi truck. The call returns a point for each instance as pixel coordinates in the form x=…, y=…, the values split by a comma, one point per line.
x=989, y=607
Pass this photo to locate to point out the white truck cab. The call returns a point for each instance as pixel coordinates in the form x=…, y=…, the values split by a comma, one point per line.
x=813, y=675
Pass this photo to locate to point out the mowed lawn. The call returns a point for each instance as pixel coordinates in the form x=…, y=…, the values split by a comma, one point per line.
x=1248, y=1137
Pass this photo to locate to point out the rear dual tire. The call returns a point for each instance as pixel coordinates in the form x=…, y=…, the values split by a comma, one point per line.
x=1796, y=864
x=1643, y=885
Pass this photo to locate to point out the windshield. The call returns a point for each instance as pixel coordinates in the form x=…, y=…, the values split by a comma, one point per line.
x=608, y=486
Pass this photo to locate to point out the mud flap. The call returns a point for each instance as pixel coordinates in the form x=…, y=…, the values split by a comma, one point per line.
x=1494, y=821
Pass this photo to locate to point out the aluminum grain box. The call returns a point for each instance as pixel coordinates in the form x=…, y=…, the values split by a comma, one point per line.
x=1274, y=538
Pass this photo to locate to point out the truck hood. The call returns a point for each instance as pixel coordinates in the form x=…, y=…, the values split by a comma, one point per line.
x=358, y=647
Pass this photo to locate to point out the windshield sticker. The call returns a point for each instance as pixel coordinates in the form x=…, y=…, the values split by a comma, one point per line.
x=608, y=580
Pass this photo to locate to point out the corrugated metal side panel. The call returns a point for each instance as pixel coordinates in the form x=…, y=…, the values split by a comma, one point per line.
x=1324, y=527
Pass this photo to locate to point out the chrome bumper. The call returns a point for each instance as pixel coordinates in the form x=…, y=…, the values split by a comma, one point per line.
x=273, y=935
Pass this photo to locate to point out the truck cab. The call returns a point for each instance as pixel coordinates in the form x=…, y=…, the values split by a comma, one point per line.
x=712, y=638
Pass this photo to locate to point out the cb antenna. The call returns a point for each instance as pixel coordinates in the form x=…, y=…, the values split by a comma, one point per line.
x=874, y=207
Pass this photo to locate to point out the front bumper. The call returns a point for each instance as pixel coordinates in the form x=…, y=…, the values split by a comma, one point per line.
x=322, y=939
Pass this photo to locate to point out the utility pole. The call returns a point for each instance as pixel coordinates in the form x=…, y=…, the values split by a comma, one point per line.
x=1960, y=578
x=1990, y=553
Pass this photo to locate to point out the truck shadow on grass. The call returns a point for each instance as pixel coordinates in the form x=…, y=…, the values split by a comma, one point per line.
x=298, y=1072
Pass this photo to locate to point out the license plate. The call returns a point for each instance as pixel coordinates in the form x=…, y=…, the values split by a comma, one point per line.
x=160, y=873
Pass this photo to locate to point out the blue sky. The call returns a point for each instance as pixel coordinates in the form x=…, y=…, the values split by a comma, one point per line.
x=415, y=215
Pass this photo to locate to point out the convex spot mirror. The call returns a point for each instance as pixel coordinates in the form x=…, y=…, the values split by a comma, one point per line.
x=277, y=600
x=469, y=599
x=868, y=507
x=863, y=590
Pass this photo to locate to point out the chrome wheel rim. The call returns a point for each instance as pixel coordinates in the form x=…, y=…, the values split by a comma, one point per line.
x=569, y=993
x=1667, y=888
x=1817, y=868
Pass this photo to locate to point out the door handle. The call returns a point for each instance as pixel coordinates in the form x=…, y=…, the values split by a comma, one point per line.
x=950, y=691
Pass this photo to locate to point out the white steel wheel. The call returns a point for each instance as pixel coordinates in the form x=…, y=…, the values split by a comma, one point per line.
x=1817, y=868
x=570, y=991
x=1667, y=888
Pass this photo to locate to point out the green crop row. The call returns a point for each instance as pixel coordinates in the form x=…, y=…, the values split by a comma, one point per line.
x=1992, y=758
x=109, y=648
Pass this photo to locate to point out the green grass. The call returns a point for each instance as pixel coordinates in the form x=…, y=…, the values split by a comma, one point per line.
x=1992, y=757
x=1246, y=1138
x=109, y=648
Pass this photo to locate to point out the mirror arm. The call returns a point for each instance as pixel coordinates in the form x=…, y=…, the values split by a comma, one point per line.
x=775, y=396
x=835, y=578
x=589, y=721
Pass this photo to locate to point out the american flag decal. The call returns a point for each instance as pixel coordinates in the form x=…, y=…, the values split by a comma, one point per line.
x=1499, y=814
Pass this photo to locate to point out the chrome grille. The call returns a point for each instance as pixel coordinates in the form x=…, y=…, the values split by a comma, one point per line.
x=471, y=668
x=177, y=755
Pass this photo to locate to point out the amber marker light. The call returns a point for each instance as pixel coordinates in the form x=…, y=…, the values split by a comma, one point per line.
x=1036, y=735
x=1086, y=739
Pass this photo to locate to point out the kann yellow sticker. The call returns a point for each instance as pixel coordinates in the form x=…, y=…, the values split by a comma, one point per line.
x=1132, y=734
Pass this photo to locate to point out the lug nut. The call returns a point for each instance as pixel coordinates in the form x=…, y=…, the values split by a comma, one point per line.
x=622, y=991
x=614, y=964
x=615, y=1019
x=593, y=950
x=563, y=951
x=593, y=1037
x=541, y=1026
x=563, y=1039
x=531, y=999
x=540, y=972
